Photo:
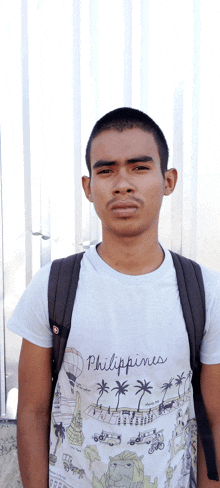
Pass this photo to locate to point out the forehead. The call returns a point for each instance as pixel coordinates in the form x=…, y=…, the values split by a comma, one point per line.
x=113, y=145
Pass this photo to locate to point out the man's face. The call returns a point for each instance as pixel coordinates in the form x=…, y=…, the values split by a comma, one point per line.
x=126, y=184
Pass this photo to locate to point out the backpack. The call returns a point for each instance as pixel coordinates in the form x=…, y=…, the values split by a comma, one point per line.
x=62, y=287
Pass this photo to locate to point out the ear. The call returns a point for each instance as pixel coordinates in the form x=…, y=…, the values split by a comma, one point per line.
x=170, y=181
x=86, y=187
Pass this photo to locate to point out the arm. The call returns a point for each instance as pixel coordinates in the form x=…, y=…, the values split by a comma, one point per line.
x=33, y=416
x=210, y=388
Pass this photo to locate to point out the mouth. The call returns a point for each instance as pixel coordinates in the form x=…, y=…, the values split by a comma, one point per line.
x=124, y=211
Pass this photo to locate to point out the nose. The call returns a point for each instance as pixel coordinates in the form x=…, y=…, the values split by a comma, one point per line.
x=123, y=184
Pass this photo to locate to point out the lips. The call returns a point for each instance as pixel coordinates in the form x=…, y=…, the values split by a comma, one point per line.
x=124, y=205
x=124, y=209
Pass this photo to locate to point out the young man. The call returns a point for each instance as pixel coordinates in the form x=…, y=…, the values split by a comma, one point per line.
x=122, y=413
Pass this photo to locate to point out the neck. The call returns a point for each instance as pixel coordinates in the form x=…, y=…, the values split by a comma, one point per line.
x=132, y=255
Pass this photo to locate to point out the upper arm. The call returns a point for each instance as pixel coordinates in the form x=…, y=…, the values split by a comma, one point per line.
x=35, y=378
x=210, y=388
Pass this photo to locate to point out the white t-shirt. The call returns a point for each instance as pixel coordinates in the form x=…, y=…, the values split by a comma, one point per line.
x=122, y=414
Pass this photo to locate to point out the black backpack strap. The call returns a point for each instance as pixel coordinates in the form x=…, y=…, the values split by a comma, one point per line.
x=63, y=281
x=192, y=298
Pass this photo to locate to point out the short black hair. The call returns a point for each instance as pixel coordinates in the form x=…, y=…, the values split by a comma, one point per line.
x=129, y=118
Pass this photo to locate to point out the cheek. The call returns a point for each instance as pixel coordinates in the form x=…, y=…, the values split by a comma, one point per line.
x=99, y=194
x=99, y=202
x=96, y=189
x=154, y=190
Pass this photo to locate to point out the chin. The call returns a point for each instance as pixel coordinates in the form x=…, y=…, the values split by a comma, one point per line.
x=129, y=232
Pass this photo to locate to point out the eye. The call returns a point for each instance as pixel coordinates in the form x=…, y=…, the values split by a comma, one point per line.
x=128, y=465
x=104, y=171
x=141, y=167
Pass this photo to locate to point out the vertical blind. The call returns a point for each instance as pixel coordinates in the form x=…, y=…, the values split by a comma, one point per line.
x=66, y=63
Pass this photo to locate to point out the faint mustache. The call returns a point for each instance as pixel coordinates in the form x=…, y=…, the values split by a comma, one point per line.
x=114, y=201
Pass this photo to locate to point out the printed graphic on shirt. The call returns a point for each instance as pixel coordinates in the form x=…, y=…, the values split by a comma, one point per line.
x=152, y=437
x=59, y=432
x=109, y=438
x=184, y=438
x=91, y=453
x=55, y=482
x=68, y=466
x=124, y=470
x=122, y=365
x=74, y=430
x=136, y=415
x=73, y=365
x=175, y=479
x=132, y=412
x=169, y=476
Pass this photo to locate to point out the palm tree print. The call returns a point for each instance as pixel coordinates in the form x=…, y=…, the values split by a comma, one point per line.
x=179, y=381
x=144, y=388
x=166, y=386
x=102, y=388
x=121, y=390
x=189, y=376
x=60, y=434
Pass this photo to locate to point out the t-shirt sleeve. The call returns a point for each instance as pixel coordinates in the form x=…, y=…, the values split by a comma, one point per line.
x=210, y=347
x=30, y=318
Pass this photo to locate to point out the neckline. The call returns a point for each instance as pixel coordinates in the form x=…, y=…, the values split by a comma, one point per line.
x=103, y=268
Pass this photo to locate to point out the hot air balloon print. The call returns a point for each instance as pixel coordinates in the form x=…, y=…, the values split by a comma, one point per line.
x=73, y=365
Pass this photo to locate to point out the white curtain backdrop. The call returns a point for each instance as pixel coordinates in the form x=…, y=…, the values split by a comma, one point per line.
x=64, y=64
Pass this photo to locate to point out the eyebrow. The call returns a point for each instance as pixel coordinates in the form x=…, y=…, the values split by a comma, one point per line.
x=138, y=159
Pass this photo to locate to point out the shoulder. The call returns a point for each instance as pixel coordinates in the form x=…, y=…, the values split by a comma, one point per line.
x=42, y=274
x=30, y=317
x=38, y=285
x=210, y=277
x=210, y=347
x=211, y=280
